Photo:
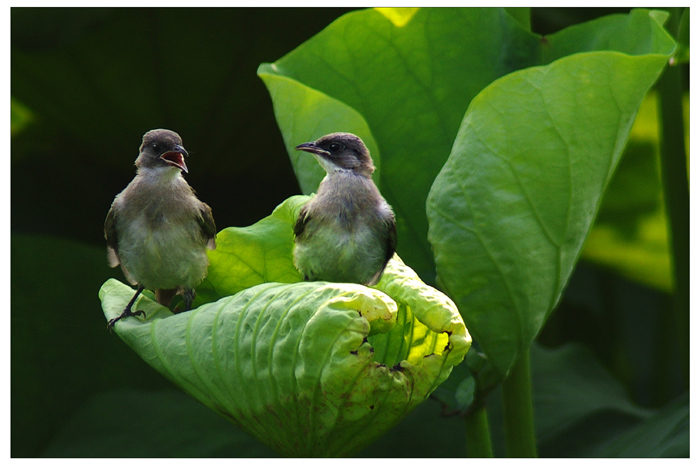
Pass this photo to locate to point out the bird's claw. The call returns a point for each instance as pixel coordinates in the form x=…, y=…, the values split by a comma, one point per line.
x=125, y=314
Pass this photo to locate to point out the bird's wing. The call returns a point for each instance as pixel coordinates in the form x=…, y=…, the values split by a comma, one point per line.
x=301, y=221
x=111, y=237
x=392, y=239
x=390, y=223
x=206, y=222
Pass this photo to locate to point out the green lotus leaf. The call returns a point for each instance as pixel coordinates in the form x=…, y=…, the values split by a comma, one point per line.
x=253, y=255
x=309, y=368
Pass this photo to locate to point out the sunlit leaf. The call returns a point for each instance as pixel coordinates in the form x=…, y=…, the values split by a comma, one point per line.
x=310, y=368
x=512, y=206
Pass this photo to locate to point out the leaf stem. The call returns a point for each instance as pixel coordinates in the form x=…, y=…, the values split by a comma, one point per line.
x=518, y=419
x=674, y=178
x=478, y=435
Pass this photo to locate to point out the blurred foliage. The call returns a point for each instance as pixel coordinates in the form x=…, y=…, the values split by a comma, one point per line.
x=91, y=90
x=20, y=117
x=683, y=53
x=62, y=352
x=159, y=423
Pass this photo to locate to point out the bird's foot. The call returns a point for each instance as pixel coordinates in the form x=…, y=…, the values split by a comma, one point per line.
x=126, y=313
x=127, y=310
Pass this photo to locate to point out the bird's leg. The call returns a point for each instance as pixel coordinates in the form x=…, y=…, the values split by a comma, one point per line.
x=165, y=296
x=188, y=296
x=127, y=311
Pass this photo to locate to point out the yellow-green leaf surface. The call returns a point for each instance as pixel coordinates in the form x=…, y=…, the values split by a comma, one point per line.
x=309, y=368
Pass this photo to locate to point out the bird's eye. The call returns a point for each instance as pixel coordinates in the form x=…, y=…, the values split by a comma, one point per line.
x=334, y=147
x=155, y=147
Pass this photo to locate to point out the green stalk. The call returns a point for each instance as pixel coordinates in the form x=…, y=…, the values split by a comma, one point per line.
x=518, y=420
x=676, y=194
x=478, y=436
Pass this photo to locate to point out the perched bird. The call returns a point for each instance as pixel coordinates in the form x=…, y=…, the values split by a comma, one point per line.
x=157, y=229
x=347, y=232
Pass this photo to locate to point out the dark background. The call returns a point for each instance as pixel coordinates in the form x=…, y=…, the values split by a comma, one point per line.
x=86, y=84
x=97, y=79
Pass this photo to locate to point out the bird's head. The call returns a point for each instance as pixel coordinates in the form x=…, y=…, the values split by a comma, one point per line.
x=341, y=151
x=162, y=148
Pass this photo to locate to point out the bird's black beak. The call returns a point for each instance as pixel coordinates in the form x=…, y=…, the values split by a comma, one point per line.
x=311, y=147
x=176, y=157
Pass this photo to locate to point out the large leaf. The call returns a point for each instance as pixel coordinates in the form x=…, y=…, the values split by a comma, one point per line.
x=410, y=76
x=512, y=206
x=406, y=77
x=310, y=369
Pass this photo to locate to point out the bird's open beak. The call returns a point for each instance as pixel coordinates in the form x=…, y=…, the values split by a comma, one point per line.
x=311, y=147
x=176, y=158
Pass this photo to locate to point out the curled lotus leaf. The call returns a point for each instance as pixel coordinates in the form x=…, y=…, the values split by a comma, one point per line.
x=311, y=369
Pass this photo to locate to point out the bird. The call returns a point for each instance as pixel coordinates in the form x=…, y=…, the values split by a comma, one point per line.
x=157, y=229
x=347, y=231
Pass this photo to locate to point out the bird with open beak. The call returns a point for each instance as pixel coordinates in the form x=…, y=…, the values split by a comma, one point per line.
x=157, y=229
x=347, y=231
